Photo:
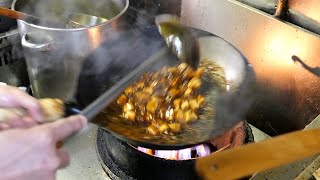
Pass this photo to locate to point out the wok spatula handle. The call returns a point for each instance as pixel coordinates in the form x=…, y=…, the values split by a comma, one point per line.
x=16, y=14
x=52, y=109
x=249, y=159
x=30, y=18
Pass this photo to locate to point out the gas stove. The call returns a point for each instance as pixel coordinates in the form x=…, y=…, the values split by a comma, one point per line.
x=122, y=160
x=86, y=163
x=86, y=160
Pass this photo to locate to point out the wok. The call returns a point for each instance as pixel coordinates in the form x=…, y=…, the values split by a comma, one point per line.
x=127, y=55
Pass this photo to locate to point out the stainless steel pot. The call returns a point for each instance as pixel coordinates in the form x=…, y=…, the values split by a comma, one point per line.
x=54, y=55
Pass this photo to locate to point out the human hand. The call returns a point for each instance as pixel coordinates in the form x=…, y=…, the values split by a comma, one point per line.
x=32, y=153
x=12, y=97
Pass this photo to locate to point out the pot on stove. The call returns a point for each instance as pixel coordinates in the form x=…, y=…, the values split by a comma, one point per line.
x=54, y=55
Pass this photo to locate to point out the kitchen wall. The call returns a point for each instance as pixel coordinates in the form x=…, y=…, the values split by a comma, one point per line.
x=287, y=95
x=309, y=8
x=143, y=11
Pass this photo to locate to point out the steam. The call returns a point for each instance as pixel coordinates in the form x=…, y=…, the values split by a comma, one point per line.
x=92, y=60
x=59, y=9
x=99, y=54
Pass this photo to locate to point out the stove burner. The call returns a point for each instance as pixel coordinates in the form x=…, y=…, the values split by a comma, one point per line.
x=123, y=161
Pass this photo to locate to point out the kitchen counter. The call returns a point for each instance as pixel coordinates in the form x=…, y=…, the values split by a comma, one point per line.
x=84, y=163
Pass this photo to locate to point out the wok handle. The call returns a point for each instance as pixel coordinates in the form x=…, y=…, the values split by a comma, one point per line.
x=52, y=110
x=47, y=46
x=5, y=114
x=252, y=158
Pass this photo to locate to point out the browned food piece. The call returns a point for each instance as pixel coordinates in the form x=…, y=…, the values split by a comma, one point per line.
x=52, y=109
x=130, y=115
x=152, y=130
x=163, y=128
x=164, y=100
x=152, y=105
x=175, y=127
x=122, y=100
x=200, y=99
x=194, y=83
x=194, y=105
x=190, y=116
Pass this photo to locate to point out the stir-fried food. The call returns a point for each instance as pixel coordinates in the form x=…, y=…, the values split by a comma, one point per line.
x=165, y=100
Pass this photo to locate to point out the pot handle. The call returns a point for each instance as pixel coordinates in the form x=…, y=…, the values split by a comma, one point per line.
x=47, y=46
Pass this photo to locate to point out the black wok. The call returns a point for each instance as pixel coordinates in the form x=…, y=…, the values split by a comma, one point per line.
x=127, y=55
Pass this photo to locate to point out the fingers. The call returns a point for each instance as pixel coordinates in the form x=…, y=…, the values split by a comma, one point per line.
x=21, y=122
x=7, y=115
x=14, y=97
x=64, y=158
x=28, y=122
x=4, y=126
x=63, y=128
x=10, y=119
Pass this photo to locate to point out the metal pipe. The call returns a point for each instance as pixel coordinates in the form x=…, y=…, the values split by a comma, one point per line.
x=282, y=9
x=268, y=6
x=303, y=21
